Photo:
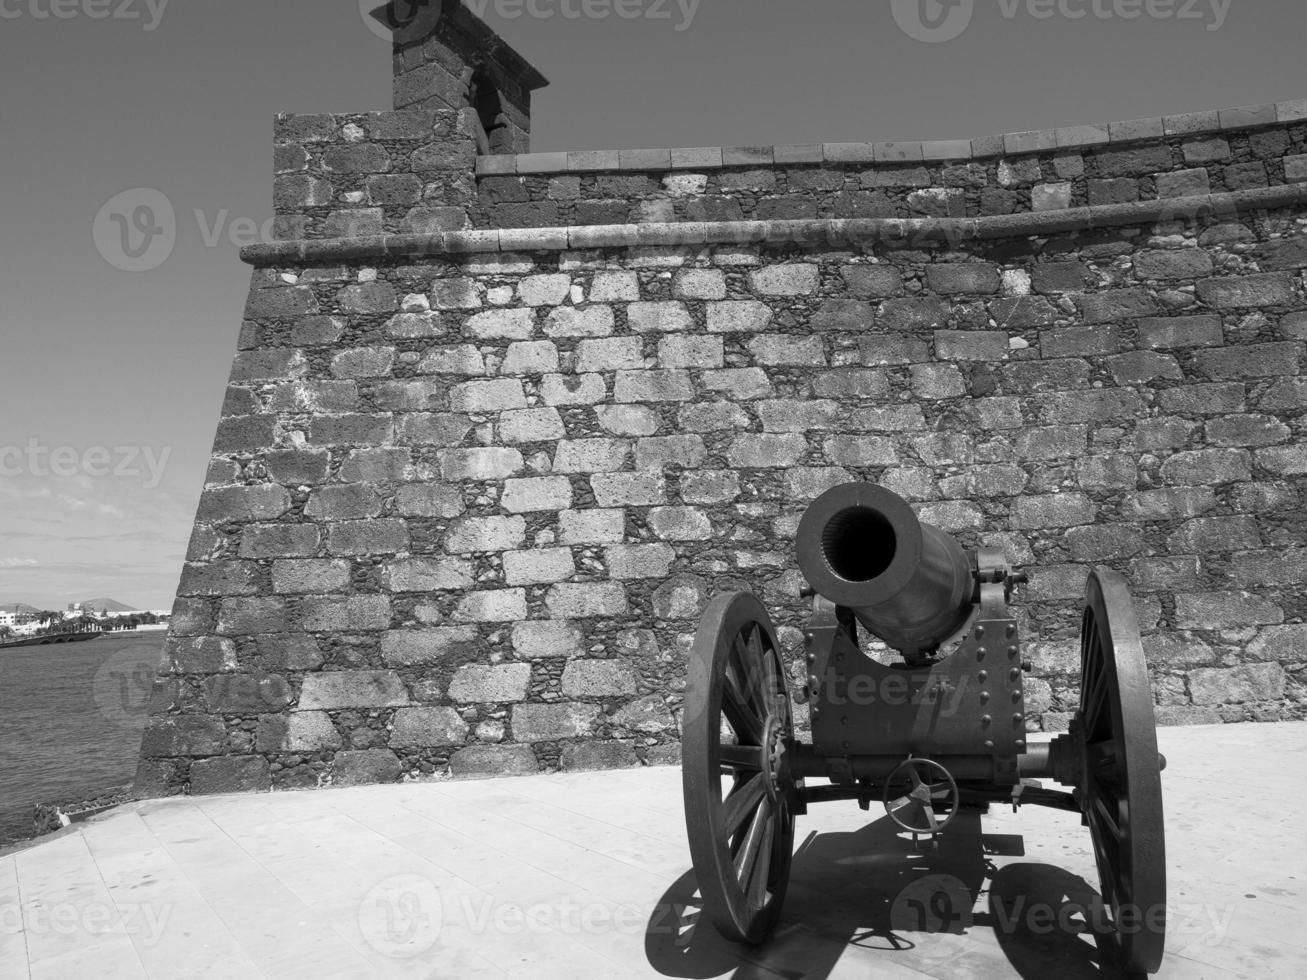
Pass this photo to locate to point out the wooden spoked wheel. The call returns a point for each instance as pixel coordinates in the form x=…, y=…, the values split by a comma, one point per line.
x=738, y=788
x=1120, y=789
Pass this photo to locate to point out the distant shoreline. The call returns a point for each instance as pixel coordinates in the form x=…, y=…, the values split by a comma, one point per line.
x=50, y=638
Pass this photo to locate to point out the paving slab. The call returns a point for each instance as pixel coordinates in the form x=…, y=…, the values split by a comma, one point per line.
x=583, y=875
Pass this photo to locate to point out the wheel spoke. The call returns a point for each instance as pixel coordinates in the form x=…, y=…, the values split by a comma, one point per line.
x=747, y=855
x=756, y=887
x=1107, y=820
x=929, y=814
x=740, y=714
x=741, y=803
x=1095, y=692
x=751, y=667
x=741, y=756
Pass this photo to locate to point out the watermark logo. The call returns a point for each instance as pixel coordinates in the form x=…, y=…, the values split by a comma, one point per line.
x=136, y=230
x=409, y=18
x=932, y=903
x=148, y=12
x=401, y=916
x=122, y=685
x=124, y=462
x=933, y=21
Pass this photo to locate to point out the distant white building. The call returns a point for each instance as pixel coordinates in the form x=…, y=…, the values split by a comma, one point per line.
x=8, y=619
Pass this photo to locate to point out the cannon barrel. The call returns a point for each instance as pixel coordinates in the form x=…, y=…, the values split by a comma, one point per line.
x=909, y=583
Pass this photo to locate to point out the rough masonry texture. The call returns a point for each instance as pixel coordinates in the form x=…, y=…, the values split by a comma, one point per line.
x=499, y=425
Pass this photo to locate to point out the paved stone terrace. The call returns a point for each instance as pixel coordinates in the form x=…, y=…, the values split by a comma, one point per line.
x=581, y=876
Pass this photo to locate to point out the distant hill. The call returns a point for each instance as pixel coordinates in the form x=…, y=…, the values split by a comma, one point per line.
x=19, y=607
x=108, y=605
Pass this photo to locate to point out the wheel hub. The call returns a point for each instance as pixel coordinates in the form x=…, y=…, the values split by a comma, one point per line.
x=772, y=755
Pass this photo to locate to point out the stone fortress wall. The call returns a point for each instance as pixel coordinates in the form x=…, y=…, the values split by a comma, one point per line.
x=500, y=423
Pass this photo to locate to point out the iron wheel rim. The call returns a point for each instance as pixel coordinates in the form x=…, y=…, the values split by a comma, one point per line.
x=1121, y=785
x=741, y=841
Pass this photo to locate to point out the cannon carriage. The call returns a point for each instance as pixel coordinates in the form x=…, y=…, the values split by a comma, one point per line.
x=943, y=726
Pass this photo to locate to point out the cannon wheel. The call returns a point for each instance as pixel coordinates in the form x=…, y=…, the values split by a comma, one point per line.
x=1121, y=788
x=738, y=724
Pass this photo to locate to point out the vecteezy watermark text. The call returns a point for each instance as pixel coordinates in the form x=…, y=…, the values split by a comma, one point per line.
x=591, y=9
x=37, y=460
x=149, y=12
x=143, y=920
x=417, y=18
x=934, y=21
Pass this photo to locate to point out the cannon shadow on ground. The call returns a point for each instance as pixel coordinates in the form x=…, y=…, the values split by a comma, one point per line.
x=910, y=904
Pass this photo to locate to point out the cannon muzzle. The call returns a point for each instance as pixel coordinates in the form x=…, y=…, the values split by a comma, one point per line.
x=909, y=583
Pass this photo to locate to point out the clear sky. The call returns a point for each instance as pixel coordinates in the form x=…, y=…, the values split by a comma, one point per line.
x=179, y=97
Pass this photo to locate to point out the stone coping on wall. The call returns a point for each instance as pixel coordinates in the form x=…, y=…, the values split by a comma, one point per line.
x=842, y=232
x=912, y=151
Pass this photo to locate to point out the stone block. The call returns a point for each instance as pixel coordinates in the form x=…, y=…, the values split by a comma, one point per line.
x=516, y=324
x=661, y=452
x=592, y=526
x=1236, y=685
x=680, y=523
x=410, y=648
x=362, y=767
x=639, y=561
x=591, y=755
x=265, y=502
x=661, y=317
x=685, y=351
x=615, y=287
x=536, y=494
x=427, y=574
x=373, y=537
x=427, y=728
x=754, y=450
x=589, y=321
x=538, y=566
x=1054, y=510
x=230, y=774
x=545, y=290
x=1260, y=290
x=598, y=678
x=358, y=613
x=550, y=722
x=429, y=500
x=586, y=600
x=1203, y=535
x=609, y=354
x=709, y=417
x=480, y=534
x=494, y=760
x=279, y=540
x=962, y=277
x=629, y=489
x=546, y=639
x=483, y=684
x=530, y=357
x=1207, y=467
x=653, y=386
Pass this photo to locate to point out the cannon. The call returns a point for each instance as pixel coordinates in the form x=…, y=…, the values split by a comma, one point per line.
x=941, y=726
